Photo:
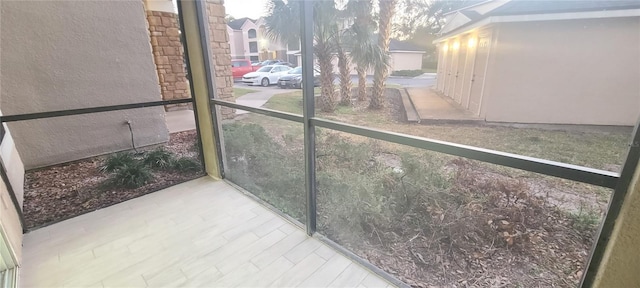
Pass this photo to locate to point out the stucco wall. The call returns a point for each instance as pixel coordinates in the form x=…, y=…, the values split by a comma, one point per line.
x=571, y=72
x=619, y=267
x=406, y=61
x=60, y=55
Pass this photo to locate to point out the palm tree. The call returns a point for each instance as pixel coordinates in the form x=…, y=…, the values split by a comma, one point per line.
x=283, y=23
x=387, y=9
x=364, y=52
x=345, y=76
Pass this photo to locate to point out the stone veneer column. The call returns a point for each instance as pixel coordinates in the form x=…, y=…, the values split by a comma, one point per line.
x=220, y=54
x=168, y=55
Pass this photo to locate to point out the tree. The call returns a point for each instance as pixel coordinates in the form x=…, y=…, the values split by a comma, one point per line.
x=387, y=10
x=229, y=18
x=283, y=23
x=343, y=68
x=365, y=52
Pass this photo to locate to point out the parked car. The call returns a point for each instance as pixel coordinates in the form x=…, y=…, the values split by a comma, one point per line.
x=240, y=67
x=272, y=62
x=293, y=79
x=266, y=75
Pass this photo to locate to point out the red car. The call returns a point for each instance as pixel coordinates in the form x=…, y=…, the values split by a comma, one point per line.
x=239, y=67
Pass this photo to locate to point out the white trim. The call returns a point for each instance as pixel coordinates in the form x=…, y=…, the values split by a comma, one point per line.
x=467, y=7
x=546, y=17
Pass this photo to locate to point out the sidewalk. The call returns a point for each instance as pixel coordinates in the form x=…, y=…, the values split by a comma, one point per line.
x=432, y=107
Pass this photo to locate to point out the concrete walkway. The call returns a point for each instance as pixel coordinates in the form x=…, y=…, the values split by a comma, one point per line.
x=181, y=120
x=432, y=107
x=257, y=99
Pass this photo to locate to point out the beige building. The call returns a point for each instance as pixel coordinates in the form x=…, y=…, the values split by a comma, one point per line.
x=135, y=56
x=558, y=62
x=249, y=40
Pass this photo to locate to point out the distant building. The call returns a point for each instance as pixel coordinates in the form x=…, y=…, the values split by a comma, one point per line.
x=248, y=40
x=556, y=62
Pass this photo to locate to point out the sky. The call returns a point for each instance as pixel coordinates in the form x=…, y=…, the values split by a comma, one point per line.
x=245, y=8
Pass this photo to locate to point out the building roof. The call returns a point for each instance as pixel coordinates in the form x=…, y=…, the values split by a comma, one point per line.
x=520, y=7
x=532, y=7
x=237, y=24
x=397, y=45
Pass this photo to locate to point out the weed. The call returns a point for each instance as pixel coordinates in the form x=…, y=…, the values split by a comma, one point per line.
x=186, y=164
x=131, y=175
x=585, y=221
x=116, y=161
x=158, y=159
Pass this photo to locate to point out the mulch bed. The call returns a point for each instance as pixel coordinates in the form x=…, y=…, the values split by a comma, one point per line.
x=59, y=192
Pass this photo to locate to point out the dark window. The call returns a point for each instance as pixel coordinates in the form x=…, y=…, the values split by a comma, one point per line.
x=293, y=45
x=239, y=63
x=253, y=47
x=252, y=33
x=254, y=58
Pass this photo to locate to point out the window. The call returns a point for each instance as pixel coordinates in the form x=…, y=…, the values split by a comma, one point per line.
x=253, y=47
x=254, y=58
x=239, y=63
x=252, y=33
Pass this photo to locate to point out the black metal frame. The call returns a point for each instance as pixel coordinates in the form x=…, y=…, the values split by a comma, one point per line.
x=618, y=182
x=71, y=112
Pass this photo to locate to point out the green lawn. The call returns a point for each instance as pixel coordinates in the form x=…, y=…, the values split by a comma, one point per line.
x=429, y=70
x=237, y=92
x=596, y=149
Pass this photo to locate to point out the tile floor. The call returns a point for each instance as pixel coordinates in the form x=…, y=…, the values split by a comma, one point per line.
x=202, y=233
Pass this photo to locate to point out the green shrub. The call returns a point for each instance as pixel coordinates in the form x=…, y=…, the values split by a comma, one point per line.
x=407, y=73
x=186, y=164
x=585, y=221
x=158, y=159
x=116, y=161
x=132, y=175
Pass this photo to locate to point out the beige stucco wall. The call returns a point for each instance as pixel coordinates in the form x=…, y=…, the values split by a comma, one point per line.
x=570, y=71
x=619, y=267
x=60, y=55
x=405, y=61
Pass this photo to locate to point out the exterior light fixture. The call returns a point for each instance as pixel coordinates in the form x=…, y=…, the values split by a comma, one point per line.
x=456, y=45
x=472, y=42
x=445, y=47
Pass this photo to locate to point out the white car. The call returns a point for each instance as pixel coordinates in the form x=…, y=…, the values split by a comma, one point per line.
x=266, y=75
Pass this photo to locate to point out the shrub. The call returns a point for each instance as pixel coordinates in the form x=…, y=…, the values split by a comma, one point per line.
x=585, y=221
x=407, y=73
x=158, y=159
x=186, y=164
x=132, y=175
x=117, y=161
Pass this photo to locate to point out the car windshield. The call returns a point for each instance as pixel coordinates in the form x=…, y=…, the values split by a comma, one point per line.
x=297, y=70
x=265, y=69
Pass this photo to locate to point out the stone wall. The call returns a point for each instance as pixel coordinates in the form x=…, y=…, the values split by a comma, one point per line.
x=168, y=55
x=220, y=54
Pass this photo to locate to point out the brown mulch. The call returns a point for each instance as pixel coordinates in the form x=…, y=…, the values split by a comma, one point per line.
x=511, y=239
x=59, y=192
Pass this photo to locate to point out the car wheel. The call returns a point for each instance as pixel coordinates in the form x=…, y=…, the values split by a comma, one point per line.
x=265, y=82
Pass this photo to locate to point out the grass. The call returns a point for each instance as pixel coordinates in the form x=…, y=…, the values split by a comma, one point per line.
x=407, y=73
x=237, y=92
x=599, y=150
x=429, y=70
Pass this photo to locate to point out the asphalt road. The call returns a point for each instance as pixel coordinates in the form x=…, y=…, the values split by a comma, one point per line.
x=425, y=80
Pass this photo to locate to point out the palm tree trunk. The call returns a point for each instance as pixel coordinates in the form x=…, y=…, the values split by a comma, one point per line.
x=328, y=98
x=387, y=9
x=362, y=83
x=345, y=78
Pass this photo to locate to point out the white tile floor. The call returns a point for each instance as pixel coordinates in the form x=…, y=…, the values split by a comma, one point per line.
x=202, y=233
